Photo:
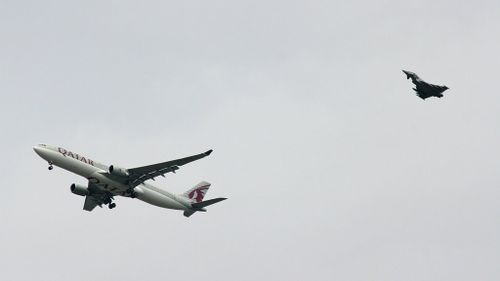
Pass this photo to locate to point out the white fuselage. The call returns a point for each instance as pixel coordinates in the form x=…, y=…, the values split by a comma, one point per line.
x=98, y=175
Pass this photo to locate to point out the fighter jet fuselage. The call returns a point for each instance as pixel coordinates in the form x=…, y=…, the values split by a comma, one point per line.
x=423, y=89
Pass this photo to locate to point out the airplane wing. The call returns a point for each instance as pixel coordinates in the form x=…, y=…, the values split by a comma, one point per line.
x=422, y=92
x=141, y=174
x=97, y=197
x=90, y=203
x=426, y=90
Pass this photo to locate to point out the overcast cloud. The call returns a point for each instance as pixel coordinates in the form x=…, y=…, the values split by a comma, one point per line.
x=334, y=170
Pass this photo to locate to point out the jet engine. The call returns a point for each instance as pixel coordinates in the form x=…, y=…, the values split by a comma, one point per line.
x=117, y=171
x=79, y=189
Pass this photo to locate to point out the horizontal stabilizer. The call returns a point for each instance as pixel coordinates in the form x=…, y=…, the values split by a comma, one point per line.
x=187, y=213
x=203, y=204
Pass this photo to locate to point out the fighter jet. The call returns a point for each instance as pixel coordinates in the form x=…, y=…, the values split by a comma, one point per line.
x=423, y=89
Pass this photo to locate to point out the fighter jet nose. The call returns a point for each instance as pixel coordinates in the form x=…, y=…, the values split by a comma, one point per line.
x=408, y=73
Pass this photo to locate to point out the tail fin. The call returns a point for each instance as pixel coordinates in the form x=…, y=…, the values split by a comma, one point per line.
x=197, y=193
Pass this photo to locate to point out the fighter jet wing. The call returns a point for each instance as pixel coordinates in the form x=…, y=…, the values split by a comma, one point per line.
x=422, y=91
x=425, y=90
x=141, y=174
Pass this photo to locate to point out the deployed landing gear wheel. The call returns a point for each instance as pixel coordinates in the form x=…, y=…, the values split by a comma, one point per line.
x=51, y=167
x=111, y=205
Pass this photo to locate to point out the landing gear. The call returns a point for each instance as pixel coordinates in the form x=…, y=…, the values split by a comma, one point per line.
x=111, y=205
x=50, y=166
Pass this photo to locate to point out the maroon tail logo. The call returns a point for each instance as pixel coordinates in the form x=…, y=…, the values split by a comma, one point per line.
x=198, y=194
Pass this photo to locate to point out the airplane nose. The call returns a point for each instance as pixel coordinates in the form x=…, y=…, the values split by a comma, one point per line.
x=38, y=150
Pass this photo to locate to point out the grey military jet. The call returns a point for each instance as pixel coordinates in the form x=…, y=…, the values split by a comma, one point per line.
x=423, y=89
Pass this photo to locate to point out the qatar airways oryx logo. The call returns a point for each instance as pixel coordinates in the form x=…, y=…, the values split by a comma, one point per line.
x=198, y=194
x=68, y=153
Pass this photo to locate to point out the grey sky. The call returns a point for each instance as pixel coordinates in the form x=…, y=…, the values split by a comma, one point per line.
x=334, y=169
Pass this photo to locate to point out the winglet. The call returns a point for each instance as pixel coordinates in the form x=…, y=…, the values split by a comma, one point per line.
x=208, y=152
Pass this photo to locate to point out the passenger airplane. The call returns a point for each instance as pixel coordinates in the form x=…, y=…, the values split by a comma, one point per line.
x=105, y=182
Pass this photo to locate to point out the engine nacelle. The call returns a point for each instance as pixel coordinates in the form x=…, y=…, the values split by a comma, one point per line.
x=79, y=189
x=117, y=171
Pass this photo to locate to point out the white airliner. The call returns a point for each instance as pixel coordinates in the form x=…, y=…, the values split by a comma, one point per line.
x=105, y=182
